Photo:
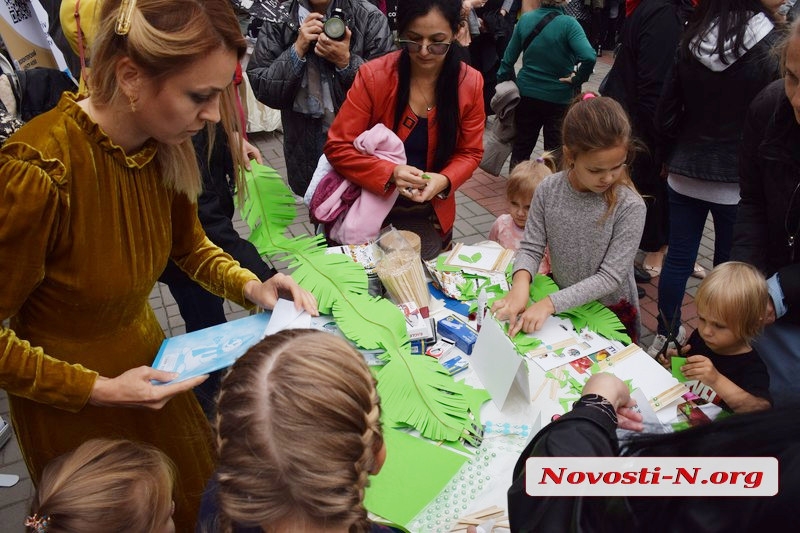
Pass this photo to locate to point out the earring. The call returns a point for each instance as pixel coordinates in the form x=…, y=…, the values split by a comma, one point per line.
x=132, y=99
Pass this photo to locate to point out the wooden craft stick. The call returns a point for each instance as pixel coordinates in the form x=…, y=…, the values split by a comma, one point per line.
x=618, y=357
x=668, y=396
x=540, y=389
x=485, y=514
x=540, y=350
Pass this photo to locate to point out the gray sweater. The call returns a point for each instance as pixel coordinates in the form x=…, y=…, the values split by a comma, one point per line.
x=591, y=258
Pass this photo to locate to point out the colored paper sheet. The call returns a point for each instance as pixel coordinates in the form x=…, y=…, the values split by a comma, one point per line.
x=415, y=472
x=677, y=363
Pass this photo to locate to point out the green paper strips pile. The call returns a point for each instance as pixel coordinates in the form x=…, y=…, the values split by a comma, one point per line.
x=415, y=391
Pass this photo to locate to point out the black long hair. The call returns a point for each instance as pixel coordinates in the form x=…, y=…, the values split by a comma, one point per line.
x=447, y=114
x=732, y=16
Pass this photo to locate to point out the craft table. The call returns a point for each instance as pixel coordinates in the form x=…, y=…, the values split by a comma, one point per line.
x=483, y=480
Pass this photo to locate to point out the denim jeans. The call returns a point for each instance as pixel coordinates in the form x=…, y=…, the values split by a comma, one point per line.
x=687, y=218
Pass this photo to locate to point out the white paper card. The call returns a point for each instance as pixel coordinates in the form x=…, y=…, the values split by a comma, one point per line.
x=286, y=316
x=497, y=363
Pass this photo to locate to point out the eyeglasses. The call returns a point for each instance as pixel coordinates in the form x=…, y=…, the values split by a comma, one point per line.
x=438, y=49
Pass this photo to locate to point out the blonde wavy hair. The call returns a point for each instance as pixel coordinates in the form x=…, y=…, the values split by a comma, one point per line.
x=165, y=36
x=106, y=485
x=298, y=433
x=735, y=293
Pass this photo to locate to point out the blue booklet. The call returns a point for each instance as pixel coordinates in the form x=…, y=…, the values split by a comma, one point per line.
x=203, y=351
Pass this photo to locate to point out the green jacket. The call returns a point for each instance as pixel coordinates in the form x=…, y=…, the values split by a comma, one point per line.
x=553, y=54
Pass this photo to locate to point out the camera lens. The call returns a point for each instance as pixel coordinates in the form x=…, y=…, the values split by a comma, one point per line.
x=334, y=28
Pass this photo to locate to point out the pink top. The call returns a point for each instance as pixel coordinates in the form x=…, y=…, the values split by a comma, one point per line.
x=506, y=233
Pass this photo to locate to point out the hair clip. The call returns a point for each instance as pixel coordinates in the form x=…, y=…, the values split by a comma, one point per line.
x=38, y=523
x=588, y=95
x=540, y=159
x=124, y=17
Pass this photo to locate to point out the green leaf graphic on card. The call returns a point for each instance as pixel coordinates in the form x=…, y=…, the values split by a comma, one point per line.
x=474, y=258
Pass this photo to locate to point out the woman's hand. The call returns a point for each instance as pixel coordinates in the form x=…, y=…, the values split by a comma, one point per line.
x=134, y=388
x=409, y=181
x=250, y=152
x=616, y=391
x=437, y=183
x=308, y=33
x=266, y=294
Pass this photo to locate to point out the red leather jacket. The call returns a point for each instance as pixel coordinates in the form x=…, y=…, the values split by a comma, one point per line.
x=371, y=100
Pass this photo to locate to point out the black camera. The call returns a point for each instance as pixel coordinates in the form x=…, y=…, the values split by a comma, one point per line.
x=335, y=27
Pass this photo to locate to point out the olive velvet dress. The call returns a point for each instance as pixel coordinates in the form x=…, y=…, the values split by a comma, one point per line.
x=85, y=231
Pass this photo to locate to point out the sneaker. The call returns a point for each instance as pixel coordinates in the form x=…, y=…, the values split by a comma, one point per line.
x=658, y=342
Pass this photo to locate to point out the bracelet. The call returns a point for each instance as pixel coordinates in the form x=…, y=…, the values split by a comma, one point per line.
x=595, y=401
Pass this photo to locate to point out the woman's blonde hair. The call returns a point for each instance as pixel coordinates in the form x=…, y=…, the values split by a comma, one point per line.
x=527, y=175
x=106, y=485
x=165, y=37
x=595, y=122
x=735, y=293
x=298, y=433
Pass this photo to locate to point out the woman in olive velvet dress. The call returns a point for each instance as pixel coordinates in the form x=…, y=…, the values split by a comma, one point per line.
x=95, y=196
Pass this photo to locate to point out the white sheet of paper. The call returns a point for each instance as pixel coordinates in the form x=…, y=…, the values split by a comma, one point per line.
x=285, y=316
x=650, y=419
x=498, y=364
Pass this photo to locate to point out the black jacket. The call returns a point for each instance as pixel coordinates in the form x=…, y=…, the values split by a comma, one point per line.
x=215, y=207
x=587, y=432
x=700, y=114
x=276, y=81
x=769, y=211
x=647, y=51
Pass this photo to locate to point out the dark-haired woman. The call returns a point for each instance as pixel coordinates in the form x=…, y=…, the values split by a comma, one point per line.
x=724, y=59
x=434, y=103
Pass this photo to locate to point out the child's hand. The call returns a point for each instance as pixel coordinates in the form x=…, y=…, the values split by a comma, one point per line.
x=533, y=318
x=666, y=360
x=510, y=306
x=701, y=368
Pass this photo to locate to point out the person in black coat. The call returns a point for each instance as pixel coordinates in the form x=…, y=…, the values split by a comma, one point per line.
x=768, y=222
x=589, y=430
x=649, y=40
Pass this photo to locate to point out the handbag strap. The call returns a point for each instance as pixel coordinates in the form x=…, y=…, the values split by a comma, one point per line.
x=538, y=29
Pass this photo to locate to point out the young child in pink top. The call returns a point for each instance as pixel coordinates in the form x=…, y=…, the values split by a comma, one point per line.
x=507, y=230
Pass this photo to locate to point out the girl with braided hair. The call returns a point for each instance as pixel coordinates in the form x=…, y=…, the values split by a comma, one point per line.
x=298, y=434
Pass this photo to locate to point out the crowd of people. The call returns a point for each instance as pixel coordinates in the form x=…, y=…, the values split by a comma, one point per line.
x=132, y=179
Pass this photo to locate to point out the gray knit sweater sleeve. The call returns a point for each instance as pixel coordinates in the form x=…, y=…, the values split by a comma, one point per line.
x=591, y=255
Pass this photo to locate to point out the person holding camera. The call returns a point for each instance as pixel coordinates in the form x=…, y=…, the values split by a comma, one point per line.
x=304, y=66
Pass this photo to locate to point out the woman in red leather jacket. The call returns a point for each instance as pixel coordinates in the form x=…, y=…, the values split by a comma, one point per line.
x=433, y=101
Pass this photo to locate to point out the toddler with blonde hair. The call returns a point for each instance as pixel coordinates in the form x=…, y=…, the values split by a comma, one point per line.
x=509, y=228
x=731, y=305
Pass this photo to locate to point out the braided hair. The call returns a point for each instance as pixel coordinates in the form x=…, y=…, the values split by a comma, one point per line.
x=298, y=433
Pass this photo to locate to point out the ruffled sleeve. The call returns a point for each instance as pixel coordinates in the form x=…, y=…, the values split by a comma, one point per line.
x=204, y=261
x=34, y=208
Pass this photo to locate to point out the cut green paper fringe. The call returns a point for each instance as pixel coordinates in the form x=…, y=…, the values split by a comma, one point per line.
x=415, y=391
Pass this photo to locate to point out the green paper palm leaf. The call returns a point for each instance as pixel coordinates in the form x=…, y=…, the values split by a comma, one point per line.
x=598, y=318
x=415, y=390
x=542, y=287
